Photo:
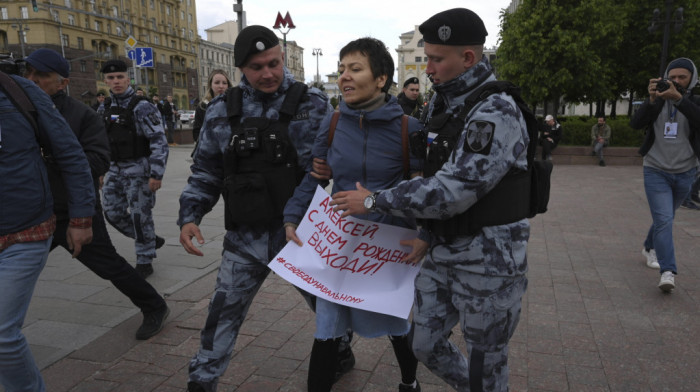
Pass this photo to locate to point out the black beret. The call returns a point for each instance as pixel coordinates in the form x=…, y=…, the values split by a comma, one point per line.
x=252, y=40
x=413, y=80
x=458, y=26
x=114, y=66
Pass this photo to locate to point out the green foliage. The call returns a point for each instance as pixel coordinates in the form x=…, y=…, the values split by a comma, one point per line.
x=588, y=51
x=576, y=131
x=334, y=102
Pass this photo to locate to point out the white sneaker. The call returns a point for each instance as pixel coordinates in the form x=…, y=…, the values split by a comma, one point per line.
x=666, y=284
x=652, y=261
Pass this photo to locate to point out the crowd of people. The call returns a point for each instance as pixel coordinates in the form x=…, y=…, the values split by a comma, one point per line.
x=265, y=145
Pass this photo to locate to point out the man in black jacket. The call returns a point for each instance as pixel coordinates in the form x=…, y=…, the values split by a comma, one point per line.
x=169, y=113
x=50, y=71
x=408, y=98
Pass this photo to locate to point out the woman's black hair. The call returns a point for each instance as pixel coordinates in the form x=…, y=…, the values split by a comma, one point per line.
x=380, y=61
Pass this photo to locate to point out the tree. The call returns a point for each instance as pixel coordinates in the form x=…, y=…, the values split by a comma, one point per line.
x=589, y=51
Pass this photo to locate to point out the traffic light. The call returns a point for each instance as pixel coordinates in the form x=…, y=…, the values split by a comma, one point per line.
x=35, y=6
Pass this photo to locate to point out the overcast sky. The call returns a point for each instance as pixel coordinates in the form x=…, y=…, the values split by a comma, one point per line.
x=330, y=24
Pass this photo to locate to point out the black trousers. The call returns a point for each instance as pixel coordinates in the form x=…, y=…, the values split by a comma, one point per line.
x=547, y=148
x=102, y=258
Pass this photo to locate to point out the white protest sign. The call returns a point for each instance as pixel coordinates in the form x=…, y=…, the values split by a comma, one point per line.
x=349, y=261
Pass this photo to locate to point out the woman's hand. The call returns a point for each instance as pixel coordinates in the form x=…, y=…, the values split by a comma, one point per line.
x=418, y=251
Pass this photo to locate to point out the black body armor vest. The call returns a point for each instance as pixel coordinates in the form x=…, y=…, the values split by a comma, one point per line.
x=124, y=141
x=518, y=195
x=261, y=167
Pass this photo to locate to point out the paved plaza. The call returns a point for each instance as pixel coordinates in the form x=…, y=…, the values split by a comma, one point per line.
x=593, y=318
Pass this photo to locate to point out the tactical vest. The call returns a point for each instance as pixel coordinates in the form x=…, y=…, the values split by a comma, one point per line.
x=518, y=195
x=124, y=141
x=261, y=167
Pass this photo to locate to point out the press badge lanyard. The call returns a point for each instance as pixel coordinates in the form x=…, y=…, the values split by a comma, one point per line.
x=671, y=127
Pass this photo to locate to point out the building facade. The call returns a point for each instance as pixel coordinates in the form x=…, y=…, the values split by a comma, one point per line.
x=224, y=36
x=413, y=61
x=90, y=32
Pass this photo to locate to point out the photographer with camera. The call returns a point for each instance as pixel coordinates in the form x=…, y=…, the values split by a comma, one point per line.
x=671, y=150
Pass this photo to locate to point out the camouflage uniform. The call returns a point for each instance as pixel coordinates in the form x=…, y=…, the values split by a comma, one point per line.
x=127, y=199
x=477, y=280
x=247, y=250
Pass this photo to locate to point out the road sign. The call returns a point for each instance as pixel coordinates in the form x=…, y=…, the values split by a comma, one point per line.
x=131, y=42
x=141, y=57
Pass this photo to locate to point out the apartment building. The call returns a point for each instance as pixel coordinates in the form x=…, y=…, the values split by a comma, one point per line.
x=90, y=32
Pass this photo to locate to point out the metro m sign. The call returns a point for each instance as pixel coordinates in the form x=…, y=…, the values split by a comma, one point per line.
x=283, y=22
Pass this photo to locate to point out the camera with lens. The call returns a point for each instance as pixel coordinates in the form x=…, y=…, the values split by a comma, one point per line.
x=664, y=84
x=9, y=65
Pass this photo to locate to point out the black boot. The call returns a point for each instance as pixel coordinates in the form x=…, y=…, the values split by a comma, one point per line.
x=322, y=365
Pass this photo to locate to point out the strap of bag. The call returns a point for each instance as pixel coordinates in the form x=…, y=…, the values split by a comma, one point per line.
x=404, y=146
x=21, y=101
x=334, y=123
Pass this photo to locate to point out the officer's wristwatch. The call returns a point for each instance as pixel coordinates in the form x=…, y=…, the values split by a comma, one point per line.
x=371, y=201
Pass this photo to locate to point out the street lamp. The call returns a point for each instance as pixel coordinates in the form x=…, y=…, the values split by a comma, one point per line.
x=677, y=24
x=317, y=52
x=22, y=28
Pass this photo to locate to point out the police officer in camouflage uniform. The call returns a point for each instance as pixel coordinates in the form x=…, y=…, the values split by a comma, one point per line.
x=255, y=165
x=472, y=276
x=139, y=152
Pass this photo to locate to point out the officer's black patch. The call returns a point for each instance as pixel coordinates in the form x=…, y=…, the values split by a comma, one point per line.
x=479, y=137
x=301, y=116
x=155, y=118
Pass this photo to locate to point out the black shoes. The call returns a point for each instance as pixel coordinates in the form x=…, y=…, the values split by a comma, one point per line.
x=160, y=241
x=409, y=388
x=152, y=323
x=194, y=387
x=144, y=270
x=601, y=163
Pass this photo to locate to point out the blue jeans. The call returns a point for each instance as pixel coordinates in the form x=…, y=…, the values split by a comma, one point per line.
x=665, y=193
x=20, y=266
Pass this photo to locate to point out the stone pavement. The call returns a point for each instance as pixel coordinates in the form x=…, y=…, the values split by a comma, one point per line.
x=593, y=319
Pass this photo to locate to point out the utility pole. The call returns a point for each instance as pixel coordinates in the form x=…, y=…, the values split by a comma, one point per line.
x=238, y=9
x=677, y=25
x=22, y=28
x=317, y=52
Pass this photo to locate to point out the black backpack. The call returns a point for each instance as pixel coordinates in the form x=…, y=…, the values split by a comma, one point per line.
x=541, y=171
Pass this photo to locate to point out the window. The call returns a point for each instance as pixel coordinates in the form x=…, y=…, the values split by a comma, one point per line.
x=24, y=12
x=165, y=77
x=162, y=58
x=191, y=35
x=83, y=66
x=3, y=12
x=418, y=58
x=152, y=4
x=68, y=4
x=167, y=9
x=64, y=41
x=182, y=15
x=189, y=18
x=115, y=11
x=183, y=32
x=173, y=44
x=425, y=59
x=156, y=40
x=421, y=43
x=81, y=43
x=119, y=31
x=109, y=28
x=98, y=26
x=71, y=20
x=185, y=47
x=153, y=24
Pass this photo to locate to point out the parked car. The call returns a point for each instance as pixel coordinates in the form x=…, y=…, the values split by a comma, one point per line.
x=187, y=116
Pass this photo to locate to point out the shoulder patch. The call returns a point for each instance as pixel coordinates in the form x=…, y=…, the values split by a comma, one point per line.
x=155, y=118
x=479, y=137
